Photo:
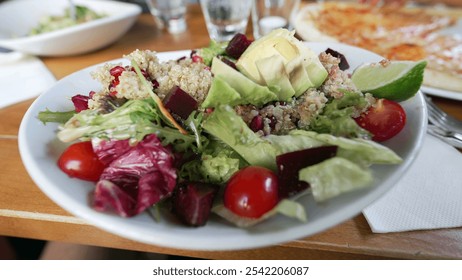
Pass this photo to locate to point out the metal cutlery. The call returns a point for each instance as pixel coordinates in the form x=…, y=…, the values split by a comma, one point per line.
x=441, y=119
x=443, y=126
x=450, y=137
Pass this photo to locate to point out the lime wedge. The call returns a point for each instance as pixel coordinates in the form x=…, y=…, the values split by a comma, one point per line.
x=394, y=80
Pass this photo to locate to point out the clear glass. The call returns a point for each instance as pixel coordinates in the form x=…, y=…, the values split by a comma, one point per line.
x=268, y=15
x=225, y=18
x=169, y=14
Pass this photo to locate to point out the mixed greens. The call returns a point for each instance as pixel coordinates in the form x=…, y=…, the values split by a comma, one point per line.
x=55, y=22
x=179, y=155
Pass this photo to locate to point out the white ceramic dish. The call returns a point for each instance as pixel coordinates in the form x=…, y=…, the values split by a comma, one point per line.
x=18, y=17
x=39, y=151
x=453, y=30
x=442, y=93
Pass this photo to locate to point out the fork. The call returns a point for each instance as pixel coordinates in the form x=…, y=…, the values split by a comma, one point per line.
x=452, y=138
x=440, y=118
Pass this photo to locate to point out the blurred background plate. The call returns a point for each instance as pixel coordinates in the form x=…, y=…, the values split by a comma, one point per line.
x=18, y=17
x=308, y=31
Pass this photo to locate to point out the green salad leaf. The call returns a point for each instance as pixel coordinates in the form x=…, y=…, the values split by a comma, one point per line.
x=224, y=124
x=336, y=117
x=133, y=120
x=212, y=50
x=216, y=164
x=335, y=176
x=286, y=207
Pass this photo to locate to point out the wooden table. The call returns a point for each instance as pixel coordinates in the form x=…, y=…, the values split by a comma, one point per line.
x=26, y=212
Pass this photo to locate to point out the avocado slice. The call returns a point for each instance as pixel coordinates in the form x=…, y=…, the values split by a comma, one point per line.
x=298, y=76
x=316, y=71
x=274, y=73
x=295, y=56
x=221, y=93
x=246, y=63
x=250, y=92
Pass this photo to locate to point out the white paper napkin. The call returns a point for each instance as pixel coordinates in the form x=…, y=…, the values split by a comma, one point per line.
x=429, y=196
x=22, y=77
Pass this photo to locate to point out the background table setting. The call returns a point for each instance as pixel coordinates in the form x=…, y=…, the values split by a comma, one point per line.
x=420, y=217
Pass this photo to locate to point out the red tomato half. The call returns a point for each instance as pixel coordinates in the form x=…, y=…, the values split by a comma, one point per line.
x=80, y=161
x=384, y=120
x=251, y=192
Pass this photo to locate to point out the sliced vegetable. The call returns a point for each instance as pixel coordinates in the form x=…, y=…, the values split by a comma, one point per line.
x=192, y=203
x=165, y=113
x=360, y=151
x=237, y=45
x=289, y=164
x=180, y=103
x=343, y=65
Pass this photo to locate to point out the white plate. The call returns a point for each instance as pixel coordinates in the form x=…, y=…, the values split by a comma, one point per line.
x=39, y=151
x=453, y=30
x=442, y=93
x=456, y=95
x=18, y=17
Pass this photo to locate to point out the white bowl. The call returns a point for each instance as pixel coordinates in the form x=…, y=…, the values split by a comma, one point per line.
x=18, y=17
x=40, y=150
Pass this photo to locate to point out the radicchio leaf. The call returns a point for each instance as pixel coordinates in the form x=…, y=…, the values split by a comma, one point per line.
x=145, y=173
x=109, y=196
x=108, y=151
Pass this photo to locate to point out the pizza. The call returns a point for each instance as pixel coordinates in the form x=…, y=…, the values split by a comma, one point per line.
x=396, y=34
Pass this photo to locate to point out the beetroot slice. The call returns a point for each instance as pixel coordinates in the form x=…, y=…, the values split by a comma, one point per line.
x=237, y=45
x=289, y=164
x=192, y=203
x=178, y=102
x=343, y=65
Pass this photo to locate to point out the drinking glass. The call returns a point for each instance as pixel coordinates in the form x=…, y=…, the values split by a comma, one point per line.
x=268, y=15
x=169, y=14
x=225, y=18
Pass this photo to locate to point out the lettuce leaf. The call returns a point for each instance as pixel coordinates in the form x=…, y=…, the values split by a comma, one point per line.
x=335, y=176
x=216, y=165
x=227, y=126
x=212, y=50
x=133, y=120
x=224, y=124
x=336, y=117
x=362, y=152
x=286, y=207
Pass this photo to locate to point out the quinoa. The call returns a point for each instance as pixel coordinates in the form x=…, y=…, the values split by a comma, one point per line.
x=194, y=78
x=337, y=81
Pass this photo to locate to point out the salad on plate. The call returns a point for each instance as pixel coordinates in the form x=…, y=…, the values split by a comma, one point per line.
x=240, y=129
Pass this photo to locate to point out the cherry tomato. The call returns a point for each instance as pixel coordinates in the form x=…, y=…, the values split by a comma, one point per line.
x=251, y=192
x=80, y=161
x=384, y=120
